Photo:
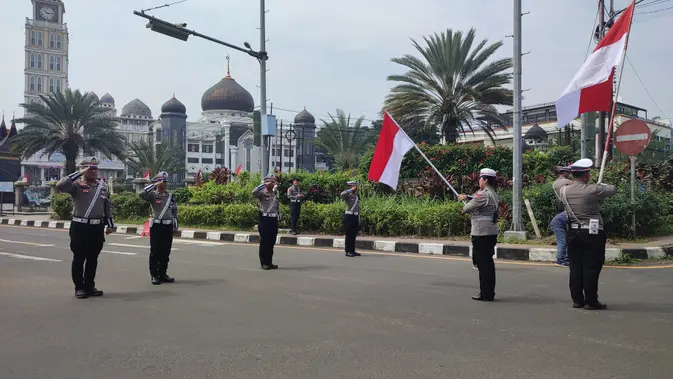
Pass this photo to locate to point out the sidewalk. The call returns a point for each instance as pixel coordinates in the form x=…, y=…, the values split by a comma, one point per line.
x=657, y=248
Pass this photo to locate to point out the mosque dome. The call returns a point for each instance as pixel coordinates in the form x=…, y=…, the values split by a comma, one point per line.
x=107, y=99
x=227, y=94
x=136, y=108
x=92, y=95
x=173, y=106
x=304, y=117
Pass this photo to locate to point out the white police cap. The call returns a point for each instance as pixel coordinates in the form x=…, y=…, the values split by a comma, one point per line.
x=162, y=176
x=582, y=165
x=270, y=178
x=352, y=183
x=487, y=172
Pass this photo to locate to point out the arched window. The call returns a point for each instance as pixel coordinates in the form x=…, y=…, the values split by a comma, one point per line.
x=51, y=62
x=52, y=40
x=39, y=60
x=32, y=38
x=32, y=60
x=59, y=43
x=39, y=39
x=58, y=85
x=39, y=84
x=51, y=85
x=58, y=63
x=31, y=83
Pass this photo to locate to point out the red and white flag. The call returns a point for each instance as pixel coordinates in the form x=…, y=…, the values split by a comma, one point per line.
x=591, y=88
x=238, y=169
x=146, y=175
x=391, y=147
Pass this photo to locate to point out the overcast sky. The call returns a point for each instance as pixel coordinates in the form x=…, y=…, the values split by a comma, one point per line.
x=323, y=54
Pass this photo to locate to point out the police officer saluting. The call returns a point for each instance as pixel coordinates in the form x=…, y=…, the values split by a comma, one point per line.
x=91, y=214
x=269, y=214
x=483, y=206
x=586, y=238
x=295, y=196
x=164, y=221
x=351, y=218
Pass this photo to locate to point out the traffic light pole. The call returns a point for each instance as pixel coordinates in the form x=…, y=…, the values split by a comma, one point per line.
x=180, y=31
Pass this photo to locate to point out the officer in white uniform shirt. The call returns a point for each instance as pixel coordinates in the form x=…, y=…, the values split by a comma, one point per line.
x=586, y=237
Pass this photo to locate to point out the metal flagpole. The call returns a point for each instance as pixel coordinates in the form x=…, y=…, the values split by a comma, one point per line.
x=616, y=96
x=424, y=157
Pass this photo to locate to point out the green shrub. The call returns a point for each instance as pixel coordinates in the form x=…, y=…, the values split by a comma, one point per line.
x=61, y=206
x=182, y=195
x=241, y=216
x=128, y=205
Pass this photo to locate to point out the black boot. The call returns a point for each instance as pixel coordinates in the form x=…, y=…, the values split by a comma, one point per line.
x=81, y=294
x=166, y=279
x=94, y=292
x=156, y=280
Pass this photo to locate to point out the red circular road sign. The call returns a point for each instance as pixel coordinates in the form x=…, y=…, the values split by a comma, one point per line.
x=632, y=137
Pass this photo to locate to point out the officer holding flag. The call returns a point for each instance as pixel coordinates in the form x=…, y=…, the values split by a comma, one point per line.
x=162, y=224
x=91, y=219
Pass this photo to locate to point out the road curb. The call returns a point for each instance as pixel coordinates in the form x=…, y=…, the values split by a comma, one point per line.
x=542, y=254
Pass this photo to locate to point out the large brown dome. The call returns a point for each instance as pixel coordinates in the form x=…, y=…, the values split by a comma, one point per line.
x=227, y=94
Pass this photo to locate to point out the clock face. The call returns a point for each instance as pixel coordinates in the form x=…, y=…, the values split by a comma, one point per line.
x=47, y=13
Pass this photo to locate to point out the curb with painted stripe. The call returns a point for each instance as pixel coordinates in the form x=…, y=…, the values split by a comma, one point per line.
x=430, y=248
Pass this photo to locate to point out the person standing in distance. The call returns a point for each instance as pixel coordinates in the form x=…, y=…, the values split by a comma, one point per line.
x=162, y=224
x=558, y=223
x=269, y=214
x=483, y=206
x=351, y=217
x=586, y=238
x=91, y=220
x=295, y=196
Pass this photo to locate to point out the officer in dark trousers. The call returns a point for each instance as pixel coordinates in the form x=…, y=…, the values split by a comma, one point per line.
x=91, y=220
x=295, y=196
x=269, y=214
x=351, y=218
x=483, y=206
x=164, y=221
x=586, y=238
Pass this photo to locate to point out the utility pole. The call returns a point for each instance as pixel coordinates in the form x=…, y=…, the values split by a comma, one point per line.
x=266, y=154
x=600, y=134
x=584, y=132
x=517, y=230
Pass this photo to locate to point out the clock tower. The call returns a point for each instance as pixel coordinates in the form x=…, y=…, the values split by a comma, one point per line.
x=47, y=43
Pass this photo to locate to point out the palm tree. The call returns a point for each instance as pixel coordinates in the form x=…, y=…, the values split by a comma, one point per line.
x=452, y=86
x=68, y=123
x=343, y=141
x=145, y=157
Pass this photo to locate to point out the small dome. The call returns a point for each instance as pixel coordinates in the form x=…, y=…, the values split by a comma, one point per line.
x=107, y=99
x=304, y=117
x=136, y=108
x=227, y=94
x=535, y=132
x=173, y=106
x=92, y=95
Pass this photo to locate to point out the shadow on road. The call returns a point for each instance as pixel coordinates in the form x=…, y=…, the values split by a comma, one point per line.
x=303, y=268
x=198, y=282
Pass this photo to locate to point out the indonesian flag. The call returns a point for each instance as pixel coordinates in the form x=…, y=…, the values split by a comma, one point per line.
x=238, y=169
x=393, y=144
x=591, y=88
x=146, y=175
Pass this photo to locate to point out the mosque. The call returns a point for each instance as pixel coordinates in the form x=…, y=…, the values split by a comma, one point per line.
x=223, y=136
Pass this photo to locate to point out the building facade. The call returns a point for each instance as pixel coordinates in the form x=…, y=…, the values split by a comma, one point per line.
x=46, y=50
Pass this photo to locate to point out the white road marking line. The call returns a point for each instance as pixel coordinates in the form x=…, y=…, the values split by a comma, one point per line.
x=133, y=238
x=128, y=245
x=197, y=242
x=119, y=252
x=27, y=243
x=29, y=257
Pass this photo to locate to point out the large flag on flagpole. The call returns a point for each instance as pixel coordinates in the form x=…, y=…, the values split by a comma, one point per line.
x=391, y=147
x=591, y=88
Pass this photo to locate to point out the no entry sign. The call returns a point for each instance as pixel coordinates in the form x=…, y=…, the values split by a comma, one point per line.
x=632, y=137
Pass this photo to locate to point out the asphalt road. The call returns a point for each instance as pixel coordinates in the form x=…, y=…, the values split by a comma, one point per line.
x=321, y=315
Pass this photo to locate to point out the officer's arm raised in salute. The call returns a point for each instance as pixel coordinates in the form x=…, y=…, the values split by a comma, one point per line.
x=67, y=183
x=148, y=192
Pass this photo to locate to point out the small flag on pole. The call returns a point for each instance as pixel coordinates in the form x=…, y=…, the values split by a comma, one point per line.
x=147, y=174
x=391, y=147
x=238, y=169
